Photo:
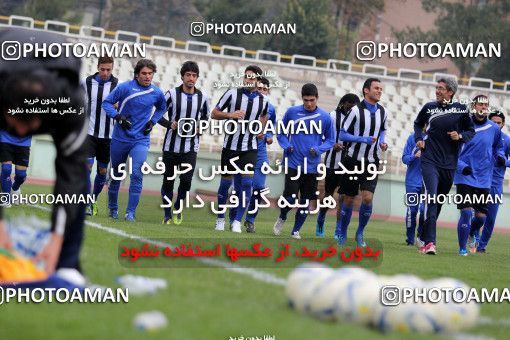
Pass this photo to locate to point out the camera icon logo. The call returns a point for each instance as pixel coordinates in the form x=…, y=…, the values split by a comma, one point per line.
x=197, y=29
x=187, y=127
x=5, y=199
x=11, y=50
x=412, y=199
x=365, y=50
x=390, y=296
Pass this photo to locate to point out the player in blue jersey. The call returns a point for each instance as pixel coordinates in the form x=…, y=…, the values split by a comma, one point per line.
x=136, y=99
x=14, y=150
x=259, y=179
x=411, y=157
x=475, y=166
x=301, y=146
x=448, y=127
x=498, y=176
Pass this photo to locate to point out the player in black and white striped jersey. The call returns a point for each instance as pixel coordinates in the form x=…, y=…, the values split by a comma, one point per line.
x=246, y=104
x=186, y=105
x=242, y=100
x=333, y=157
x=364, y=128
x=97, y=87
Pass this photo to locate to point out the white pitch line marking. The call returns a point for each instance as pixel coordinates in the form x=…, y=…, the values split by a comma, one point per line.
x=253, y=273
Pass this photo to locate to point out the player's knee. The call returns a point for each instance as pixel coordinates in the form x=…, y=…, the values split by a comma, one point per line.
x=185, y=184
x=366, y=201
x=367, y=197
x=136, y=178
x=136, y=184
x=348, y=201
x=257, y=184
x=246, y=182
x=168, y=185
x=290, y=199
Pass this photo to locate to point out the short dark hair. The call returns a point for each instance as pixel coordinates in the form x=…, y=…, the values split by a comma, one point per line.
x=189, y=66
x=367, y=84
x=255, y=69
x=144, y=63
x=264, y=81
x=349, y=98
x=497, y=113
x=104, y=60
x=309, y=89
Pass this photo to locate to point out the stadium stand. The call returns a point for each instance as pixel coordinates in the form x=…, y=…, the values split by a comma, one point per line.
x=403, y=97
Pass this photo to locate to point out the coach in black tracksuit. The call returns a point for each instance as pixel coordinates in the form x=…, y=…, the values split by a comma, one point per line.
x=51, y=78
x=449, y=126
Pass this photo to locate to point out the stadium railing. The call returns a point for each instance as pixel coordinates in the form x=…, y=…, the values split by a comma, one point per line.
x=171, y=43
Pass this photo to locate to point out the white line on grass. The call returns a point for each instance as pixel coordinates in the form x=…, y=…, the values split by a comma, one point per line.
x=259, y=275
x=256, y=274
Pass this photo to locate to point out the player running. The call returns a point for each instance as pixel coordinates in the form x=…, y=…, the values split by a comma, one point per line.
x=184, y=103
x=259, y=179
x=97, y=87
x=479, y=244
x=364, y=128
x=246, y=104
x=130, y=137
x=333, y=157
x=476, y=160
x=300, y=146
x=414, y=187
x=449, y=126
